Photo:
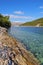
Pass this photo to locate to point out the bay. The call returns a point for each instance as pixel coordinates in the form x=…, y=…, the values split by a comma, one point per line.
x=31, y=37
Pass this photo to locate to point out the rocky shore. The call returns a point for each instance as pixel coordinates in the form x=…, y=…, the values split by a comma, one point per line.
x=12, y=52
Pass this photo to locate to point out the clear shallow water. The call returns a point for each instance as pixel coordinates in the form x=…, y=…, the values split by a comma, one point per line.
x=31, y=37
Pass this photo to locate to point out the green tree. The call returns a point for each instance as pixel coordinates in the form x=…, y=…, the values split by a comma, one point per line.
x=4, y=21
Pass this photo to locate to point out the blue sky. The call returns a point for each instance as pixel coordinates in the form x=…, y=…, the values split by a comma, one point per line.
x=22, y=10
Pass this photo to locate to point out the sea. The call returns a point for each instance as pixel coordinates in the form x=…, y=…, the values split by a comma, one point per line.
x=31, y=38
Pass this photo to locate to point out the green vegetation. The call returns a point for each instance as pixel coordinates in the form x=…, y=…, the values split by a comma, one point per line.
x=38, y=22
x=4, y=21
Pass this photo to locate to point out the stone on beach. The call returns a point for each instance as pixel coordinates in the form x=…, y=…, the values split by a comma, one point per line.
x=12, y=52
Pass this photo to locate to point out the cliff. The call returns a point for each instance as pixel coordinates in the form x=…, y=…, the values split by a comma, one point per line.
x=13, y=52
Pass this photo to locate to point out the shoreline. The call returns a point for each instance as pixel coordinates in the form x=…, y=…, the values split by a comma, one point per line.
x=29, y=26
x=15, y=51
x=32, y=26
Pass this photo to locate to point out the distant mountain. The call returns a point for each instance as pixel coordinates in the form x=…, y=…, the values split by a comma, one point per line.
x=16, y=23
x=37, y=23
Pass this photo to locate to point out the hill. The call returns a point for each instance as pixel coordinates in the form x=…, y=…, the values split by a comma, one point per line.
x=37, y=23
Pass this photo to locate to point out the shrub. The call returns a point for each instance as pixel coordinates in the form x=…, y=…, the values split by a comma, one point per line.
x=4, y=21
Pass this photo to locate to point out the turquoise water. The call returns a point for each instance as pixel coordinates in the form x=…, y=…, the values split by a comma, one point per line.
x=31, y=37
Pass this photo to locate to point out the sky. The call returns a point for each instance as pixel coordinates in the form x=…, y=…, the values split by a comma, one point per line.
x=22, y=10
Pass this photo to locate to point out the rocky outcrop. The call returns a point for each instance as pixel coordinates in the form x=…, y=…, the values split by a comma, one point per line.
x=13, y=52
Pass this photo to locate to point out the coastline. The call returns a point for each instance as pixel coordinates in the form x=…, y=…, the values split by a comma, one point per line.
x=29, y=26
x=15, y=50
x=26, y=26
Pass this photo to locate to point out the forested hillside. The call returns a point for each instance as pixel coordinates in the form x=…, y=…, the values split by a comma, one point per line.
x=38, y=22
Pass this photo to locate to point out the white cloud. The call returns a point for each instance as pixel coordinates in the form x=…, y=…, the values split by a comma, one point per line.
x=16, y=16
x=16, y=21
x=23, y=17
x=18, y=12
x=41, y=7
x=5, y=14
x=41, y=12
